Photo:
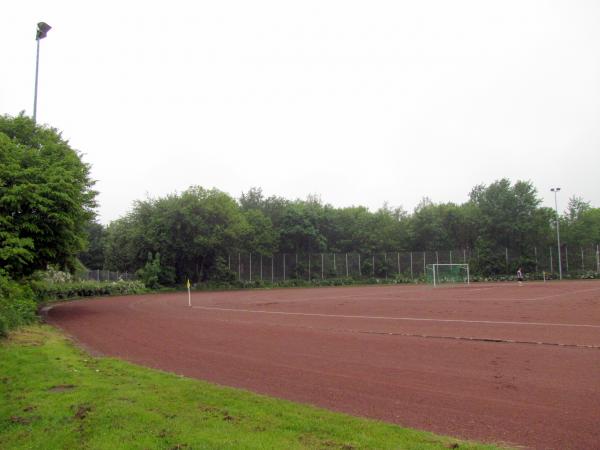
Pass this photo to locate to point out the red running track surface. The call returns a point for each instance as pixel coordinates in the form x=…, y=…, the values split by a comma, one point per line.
x=491, y=362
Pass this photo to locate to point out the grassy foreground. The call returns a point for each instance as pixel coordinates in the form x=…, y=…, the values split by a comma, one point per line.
x=55, y=396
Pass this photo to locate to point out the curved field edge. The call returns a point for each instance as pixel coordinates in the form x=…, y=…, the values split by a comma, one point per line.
x=54, y=395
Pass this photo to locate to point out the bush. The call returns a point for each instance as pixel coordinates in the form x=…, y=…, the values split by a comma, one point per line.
x=46, y=291
x=296, y=282
x=17, y=305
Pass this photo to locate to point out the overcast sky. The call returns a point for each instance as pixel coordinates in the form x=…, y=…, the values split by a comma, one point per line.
x=360, y=102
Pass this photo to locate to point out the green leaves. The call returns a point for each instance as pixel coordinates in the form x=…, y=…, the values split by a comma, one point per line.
x=45, y=197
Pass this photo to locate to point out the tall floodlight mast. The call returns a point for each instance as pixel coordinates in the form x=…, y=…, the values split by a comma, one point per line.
x=42, y=31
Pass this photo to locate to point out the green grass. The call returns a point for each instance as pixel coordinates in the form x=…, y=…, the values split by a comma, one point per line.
x=55, y=396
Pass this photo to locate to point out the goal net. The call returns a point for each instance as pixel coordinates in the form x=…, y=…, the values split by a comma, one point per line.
x=447, y=273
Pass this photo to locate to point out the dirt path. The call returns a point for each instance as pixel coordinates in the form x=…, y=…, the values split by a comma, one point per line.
x=495, y=363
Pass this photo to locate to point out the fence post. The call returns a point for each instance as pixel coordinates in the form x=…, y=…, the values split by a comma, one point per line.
x=536, y=259
x=424, y=262
x=506, y=253
x=284, y=267
x=437, y=258
x=450, y=256
x=398, y=256
x=98, y=275
x=582, y=260
x=272, y=267
x=228, y=261
x=385, y=263
x=359, y=267
x=261, y=273
x=239, y=267
x=567, y=258
x=551, y=266
x=597, y=259
x=309, y=266
x=296, y=267
x=346, y=265
x=251, y=267
x=334, y=266
x=464, y=256
x=322, y=266
x=373, y=268
x=411, y=266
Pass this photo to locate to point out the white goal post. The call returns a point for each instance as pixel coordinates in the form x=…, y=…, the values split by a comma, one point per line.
x=444, y=273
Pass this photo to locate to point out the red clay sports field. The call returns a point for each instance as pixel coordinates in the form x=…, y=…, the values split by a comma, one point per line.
x=491, y=362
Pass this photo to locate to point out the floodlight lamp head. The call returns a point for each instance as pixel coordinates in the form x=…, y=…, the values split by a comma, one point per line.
x=42, y=30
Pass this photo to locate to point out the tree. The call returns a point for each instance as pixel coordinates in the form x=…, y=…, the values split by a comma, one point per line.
x=93, y=255
x=46, y=198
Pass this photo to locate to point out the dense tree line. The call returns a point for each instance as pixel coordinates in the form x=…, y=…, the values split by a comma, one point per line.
x=189, y=235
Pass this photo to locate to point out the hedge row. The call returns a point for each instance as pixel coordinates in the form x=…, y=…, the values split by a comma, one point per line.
x=48, y=292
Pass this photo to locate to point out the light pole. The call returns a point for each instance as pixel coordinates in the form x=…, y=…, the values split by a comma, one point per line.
x=42, y=31
x=555, y=190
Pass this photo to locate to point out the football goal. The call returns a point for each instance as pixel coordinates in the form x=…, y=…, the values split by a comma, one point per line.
x=447, y=273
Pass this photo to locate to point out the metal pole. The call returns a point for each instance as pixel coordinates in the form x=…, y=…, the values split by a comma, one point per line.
x=437, y=258
x=398, y=256
x=261, y=273
x=536, y=259
x=239, y=267
x=411, y=266
x=359, y=268
x=582, y=260
x=386, y=266
x=597, y=259
x=272, y=271
x=284, y=267
x=37, y=64
x=346, y=265
x=373, y=268
x=41, y=32
x=551, y=266
x=334, y=266
x=555, y=190
x=450, y=256
x=322, y=265
x=250, y=266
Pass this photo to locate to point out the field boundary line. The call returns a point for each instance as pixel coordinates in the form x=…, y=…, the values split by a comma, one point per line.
x=483, y=339
x=416, y=319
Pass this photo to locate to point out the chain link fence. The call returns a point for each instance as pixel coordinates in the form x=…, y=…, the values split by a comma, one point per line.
x=107, y=275
x=407, y=265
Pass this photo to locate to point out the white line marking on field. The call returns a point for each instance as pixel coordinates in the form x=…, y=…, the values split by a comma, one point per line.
x=416, y=319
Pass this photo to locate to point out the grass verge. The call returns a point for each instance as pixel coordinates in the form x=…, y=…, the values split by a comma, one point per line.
x=55, y=396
